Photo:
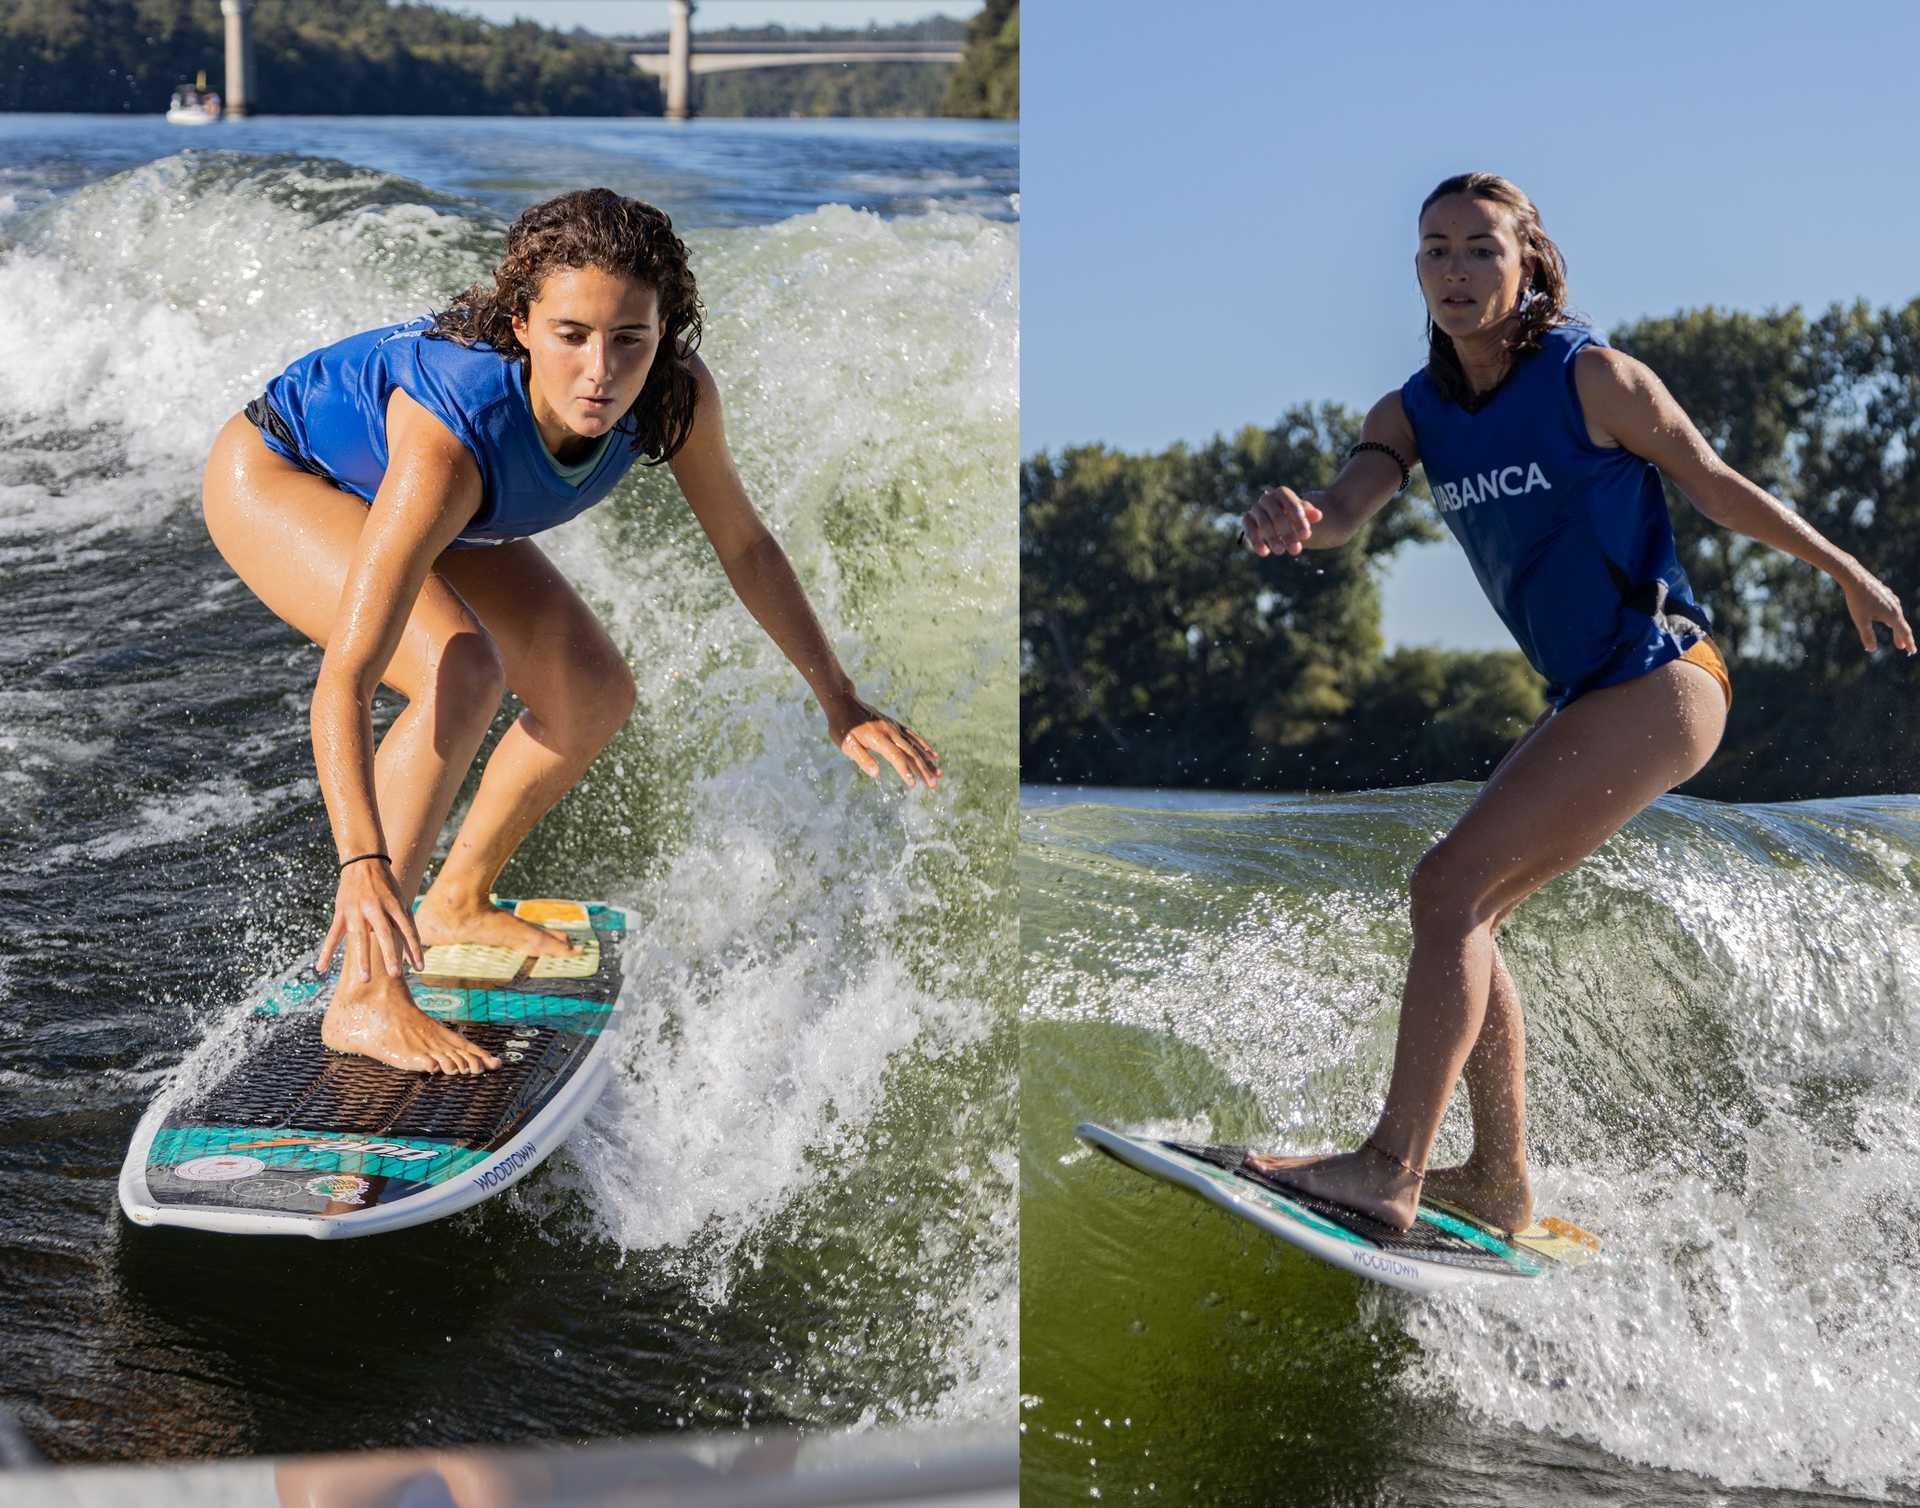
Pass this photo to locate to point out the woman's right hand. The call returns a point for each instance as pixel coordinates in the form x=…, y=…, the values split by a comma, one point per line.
x=1280, y=523
x=1871, y=601
x=368, y=909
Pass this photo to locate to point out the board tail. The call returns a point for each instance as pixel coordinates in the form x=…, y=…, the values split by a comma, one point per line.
x=1558, y=1240
x=1551, y=1237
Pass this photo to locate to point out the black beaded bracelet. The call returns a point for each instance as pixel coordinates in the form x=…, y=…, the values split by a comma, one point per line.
x=1406, y=473
x=359, y=856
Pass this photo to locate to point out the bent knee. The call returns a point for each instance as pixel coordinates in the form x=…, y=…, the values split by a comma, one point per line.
x=603, y=701
x=582, y=703
x=469, y=673
x=1449, y=891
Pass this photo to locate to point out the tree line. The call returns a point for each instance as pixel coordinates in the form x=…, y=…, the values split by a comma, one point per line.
x=986, y=85
x=828, y=89
x=348, y=57
x=369, y=57
x=824, y=89
x=1156, y=651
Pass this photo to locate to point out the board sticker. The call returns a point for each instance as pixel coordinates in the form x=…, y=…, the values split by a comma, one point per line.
x=294, y=1138
x=224, y=1168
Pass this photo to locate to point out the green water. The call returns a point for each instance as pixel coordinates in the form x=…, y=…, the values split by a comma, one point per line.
x=795, y=1202
x=1721, y=1040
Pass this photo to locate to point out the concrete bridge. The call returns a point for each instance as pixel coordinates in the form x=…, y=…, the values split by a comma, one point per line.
x=675, y=61
x=728, y=57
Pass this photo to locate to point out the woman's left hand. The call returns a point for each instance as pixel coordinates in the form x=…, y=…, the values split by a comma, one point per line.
x=1871, y=601
x=861, y=732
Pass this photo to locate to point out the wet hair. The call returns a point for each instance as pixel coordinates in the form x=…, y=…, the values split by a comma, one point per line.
x=596, y=228
x=1543, y=294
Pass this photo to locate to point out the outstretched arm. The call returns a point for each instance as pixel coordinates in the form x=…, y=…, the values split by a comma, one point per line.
x=763, y=579
x=1627, y=404
x=430, y=491
x=1285, y=522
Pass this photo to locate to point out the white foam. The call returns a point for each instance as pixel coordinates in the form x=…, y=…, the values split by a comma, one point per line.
x=811, y=941
x=223, y=803
x=155, y=303
x=929, y=183
x=1722, y=1038
x=54, y=749
x=1757, y=1318
x=1761, y=1334
x=795, y=958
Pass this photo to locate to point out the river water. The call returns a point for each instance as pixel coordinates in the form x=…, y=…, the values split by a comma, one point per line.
x=796, y=1204
x=1722, y=1035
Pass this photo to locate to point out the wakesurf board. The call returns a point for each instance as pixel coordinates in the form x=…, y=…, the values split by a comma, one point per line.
x=1446, y=1247
x=294, y=1139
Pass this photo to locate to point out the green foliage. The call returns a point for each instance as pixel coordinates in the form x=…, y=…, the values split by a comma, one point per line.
x=986, y=85
x=1826, y=416
x=1154, y=648
x=878, y=88
x=1737, y=376
x=372, y=57
x=1430, y=714
x=824, y=89
x=1156, y=651
x=344, y=57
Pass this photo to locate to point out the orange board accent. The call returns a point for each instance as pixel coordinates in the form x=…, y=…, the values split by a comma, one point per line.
x=1566, y=1230
x=556, y=913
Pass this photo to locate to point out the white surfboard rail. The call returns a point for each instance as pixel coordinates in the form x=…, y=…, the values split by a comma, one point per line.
x=528, y=1148
x=1293, y=1223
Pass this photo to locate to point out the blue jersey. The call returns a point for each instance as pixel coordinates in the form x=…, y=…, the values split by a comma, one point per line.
x=334, y=402
x=1571, y=541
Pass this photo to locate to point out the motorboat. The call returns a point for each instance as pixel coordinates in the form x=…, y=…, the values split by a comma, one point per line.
x=194, y=105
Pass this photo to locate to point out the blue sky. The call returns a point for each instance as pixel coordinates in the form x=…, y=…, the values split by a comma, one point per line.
x=641, y=16
x=1218, y=201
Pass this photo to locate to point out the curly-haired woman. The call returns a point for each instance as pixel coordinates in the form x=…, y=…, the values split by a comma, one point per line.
x=1543, y=450
x=379, y=497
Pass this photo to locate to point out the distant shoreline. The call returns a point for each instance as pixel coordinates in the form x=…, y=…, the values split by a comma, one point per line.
x=359, y=57
x=264, y=116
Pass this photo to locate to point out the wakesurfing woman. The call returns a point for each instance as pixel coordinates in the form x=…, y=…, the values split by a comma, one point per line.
x=1544, y=451
x=379, y=498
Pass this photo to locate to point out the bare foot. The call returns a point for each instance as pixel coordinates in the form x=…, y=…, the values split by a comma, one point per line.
x=378, y=1019
x=1502, y=1200
x=444, y=919
x=1358, y=1181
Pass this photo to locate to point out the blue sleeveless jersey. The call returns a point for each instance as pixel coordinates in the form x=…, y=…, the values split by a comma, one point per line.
x=334, y=401
x=1571, y=542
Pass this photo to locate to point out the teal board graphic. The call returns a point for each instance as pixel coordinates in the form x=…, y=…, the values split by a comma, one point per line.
x=1445, y=1248
x=296, y=1139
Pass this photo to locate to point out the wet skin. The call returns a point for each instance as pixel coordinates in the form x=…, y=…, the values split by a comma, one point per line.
x=1571, y=780
x=453, y=630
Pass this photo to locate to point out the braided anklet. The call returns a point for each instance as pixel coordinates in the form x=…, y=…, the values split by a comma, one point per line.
x=1373, y=1146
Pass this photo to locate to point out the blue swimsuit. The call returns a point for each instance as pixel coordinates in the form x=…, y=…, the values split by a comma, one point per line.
x=1571, y=542
x=332, y=404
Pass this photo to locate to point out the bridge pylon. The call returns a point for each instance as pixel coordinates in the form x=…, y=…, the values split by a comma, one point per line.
x=680, y=60
x=239, y=99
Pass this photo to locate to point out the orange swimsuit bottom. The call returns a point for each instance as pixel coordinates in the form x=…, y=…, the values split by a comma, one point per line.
x=1702, y=653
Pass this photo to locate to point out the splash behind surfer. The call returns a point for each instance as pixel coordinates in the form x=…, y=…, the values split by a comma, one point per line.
x=379, y=497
